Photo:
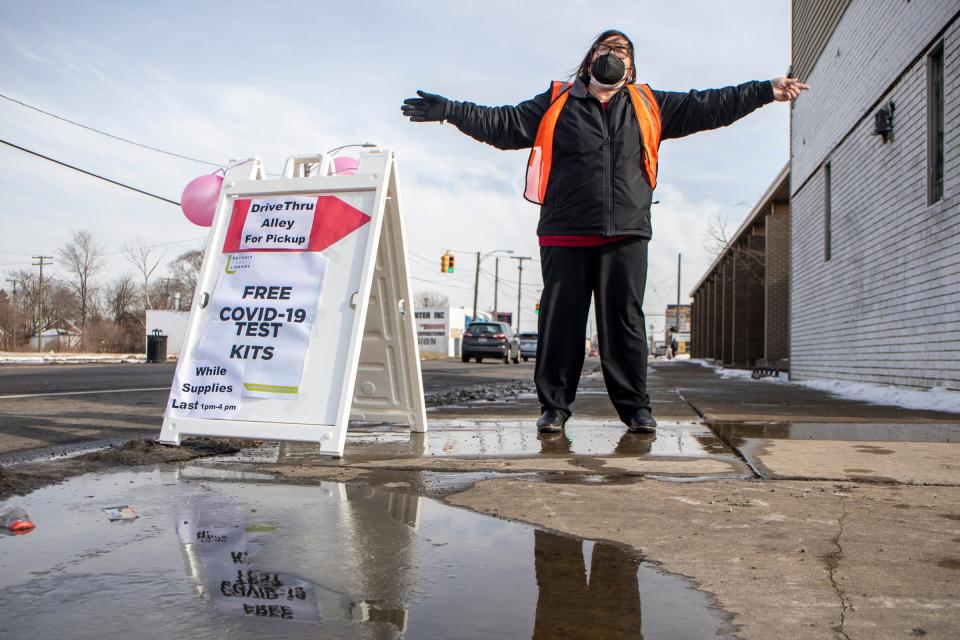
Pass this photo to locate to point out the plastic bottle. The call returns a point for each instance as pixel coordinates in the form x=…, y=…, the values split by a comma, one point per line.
x=14, y=519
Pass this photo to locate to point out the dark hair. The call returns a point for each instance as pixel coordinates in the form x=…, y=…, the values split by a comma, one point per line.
x=583, y=71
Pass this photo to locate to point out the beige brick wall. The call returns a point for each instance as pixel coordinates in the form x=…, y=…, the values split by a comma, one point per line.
x=886, y=307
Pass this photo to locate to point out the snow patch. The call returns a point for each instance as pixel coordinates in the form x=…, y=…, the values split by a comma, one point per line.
x=935, y=399
x=64, y=358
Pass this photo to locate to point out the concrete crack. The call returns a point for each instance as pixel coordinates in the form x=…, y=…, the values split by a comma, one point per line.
x=833, y=562
x=723, y=438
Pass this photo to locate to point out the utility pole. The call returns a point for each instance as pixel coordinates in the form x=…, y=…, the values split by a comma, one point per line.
x=520, y=260
x=476, y=280
x=42, y=263
x=496, y=285
x=476, y=286
x=679, y=255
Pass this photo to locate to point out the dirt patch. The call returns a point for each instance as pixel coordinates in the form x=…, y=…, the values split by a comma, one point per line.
x=27, y=478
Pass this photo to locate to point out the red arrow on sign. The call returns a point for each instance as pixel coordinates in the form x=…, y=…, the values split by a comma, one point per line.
x=333, y=220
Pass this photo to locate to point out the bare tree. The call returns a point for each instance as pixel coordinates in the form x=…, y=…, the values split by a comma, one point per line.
x=8, y=322
x=717, y=236
x=121, y=299
x=718, y=240
x=82, y=258
x=146, y=259
x=185, y=272
x=24, y=286
x=430, y=299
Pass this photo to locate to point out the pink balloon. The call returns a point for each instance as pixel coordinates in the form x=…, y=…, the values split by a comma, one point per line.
x=345, y=166
x=199, y=199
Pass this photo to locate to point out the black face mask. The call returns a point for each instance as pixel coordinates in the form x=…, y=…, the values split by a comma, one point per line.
x=608, y=69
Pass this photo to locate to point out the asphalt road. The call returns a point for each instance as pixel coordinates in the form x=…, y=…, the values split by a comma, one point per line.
x=438, y=375
x=51, y=409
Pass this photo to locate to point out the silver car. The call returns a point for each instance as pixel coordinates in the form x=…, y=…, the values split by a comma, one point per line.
x=528, y=345
x=490, y=340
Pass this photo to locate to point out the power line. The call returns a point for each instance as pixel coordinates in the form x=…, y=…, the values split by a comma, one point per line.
x=89, y=173
x=441, y=284
x=502, y=278
x=162, y=244
x=116, y=253
x=110, y=135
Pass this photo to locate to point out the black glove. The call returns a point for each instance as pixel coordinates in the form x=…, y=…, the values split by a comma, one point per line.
x=428, y=107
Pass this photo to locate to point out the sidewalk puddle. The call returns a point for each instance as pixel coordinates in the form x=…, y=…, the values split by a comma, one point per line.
x=470, y=438
x=738, y=434
x=235, y=559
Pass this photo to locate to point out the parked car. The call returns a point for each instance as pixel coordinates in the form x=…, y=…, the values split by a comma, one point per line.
x=490, y=340
x=528, y=345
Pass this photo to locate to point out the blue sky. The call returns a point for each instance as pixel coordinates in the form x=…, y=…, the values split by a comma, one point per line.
x=227, y=80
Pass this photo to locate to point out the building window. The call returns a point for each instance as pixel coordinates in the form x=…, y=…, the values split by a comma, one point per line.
x=827, y=231
x=935, y=125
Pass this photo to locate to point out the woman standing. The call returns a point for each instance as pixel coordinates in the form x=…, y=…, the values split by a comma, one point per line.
x=592, y=170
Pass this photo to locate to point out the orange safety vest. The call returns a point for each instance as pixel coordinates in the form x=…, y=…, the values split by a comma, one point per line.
x=541, y=155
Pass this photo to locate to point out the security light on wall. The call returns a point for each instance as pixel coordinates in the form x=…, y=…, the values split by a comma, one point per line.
x=883, y=121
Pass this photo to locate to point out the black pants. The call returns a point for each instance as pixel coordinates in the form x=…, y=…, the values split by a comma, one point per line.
x=569, y=606
x=615, y=275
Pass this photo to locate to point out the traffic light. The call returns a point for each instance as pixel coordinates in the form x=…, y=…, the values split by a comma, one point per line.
x=450, y=263
x=537, y=310
x=444, y=263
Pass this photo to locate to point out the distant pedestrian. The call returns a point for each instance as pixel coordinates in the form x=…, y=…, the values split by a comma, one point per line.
x=593, y=168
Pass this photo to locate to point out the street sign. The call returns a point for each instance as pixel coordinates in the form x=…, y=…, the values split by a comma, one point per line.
x=302, y=317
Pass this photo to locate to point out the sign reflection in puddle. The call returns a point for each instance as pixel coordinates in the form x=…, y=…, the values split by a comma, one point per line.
x=221, y=555
x=415, y=567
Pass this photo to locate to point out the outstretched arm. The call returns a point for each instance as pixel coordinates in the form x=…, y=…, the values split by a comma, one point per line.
x=686, y=113
x=506, y=127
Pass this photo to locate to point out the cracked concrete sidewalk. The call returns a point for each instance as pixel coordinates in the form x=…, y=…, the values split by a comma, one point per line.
x=806, y=516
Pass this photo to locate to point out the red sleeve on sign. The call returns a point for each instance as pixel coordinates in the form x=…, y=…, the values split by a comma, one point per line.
x=240, y=209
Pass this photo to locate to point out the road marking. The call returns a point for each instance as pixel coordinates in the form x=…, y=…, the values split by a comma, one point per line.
x=82, y=393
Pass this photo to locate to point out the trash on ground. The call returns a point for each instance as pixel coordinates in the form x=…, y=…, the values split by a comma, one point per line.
x=15, y=520
x=123, y=512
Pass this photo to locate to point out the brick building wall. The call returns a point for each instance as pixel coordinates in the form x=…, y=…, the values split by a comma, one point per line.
x=732, y=303
x=777, y=283
x=885, y=308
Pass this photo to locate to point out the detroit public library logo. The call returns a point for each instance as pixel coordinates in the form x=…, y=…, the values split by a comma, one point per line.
x=237, y=262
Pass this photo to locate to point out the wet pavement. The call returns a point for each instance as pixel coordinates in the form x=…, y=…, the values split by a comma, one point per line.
x=680, y=449
x=513, y=438
x=804, y=515
x=219, y=553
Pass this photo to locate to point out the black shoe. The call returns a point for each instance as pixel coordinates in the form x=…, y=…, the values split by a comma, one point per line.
x=551, y=421
x=641, y=421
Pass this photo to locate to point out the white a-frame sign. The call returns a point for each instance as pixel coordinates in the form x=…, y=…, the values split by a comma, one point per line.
x=302, y=318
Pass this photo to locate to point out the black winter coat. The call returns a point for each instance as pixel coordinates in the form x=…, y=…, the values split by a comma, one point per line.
x=597, y=185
